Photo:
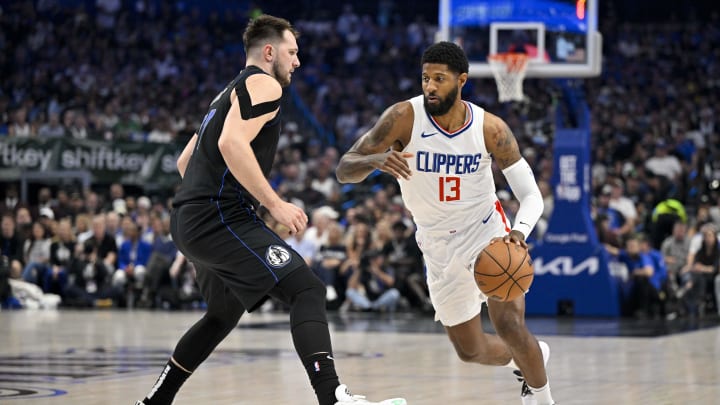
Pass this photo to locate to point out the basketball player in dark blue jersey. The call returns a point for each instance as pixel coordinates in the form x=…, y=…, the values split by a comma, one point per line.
x=239, y=261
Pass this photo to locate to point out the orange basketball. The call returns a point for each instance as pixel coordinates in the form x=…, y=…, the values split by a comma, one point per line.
x=503, y=271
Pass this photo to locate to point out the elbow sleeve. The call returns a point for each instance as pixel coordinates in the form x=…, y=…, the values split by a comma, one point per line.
x=522, y=182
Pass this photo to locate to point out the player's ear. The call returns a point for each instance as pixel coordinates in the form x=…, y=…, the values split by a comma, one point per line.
x=268, y=52
x=462, y=79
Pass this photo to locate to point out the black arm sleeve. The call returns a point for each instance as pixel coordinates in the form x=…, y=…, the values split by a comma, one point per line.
x=247, y=110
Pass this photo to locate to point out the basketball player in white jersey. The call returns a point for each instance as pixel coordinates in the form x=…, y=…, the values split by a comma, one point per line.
x=440, y=148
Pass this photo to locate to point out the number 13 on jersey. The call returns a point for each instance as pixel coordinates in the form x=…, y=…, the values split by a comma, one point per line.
x=449, y=188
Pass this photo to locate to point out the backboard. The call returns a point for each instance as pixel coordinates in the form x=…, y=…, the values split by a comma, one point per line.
x=560, y=37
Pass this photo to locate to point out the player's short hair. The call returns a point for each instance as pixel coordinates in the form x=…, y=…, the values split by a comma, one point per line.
x=265, y=28
x=447, y=53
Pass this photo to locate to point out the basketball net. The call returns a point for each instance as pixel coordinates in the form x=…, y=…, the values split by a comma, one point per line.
x=509, y=70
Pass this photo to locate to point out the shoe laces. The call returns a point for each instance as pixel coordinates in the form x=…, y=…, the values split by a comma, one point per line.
x=525, y=390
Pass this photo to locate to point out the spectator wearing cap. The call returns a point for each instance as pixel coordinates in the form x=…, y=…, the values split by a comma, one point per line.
x=320, y=220
x=46, y=216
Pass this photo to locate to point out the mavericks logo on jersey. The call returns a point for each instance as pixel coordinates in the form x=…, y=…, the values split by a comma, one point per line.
x=447, y=163
x=277, y=256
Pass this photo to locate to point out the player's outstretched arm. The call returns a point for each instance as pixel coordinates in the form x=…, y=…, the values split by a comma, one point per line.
x=380, y=147
x=503, y=146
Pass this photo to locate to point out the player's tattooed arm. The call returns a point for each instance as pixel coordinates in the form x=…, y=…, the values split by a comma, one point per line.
x=380, y=147
x=500, y=141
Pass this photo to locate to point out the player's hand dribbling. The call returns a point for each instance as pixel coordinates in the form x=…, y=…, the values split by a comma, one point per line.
x=514, y=236
x=290, y=215
x=394, y=163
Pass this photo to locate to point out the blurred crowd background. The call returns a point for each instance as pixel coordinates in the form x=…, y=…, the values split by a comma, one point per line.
x=144, y=71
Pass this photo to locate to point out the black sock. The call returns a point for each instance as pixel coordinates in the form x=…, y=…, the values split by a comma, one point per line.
x=321, y=370
x=312, y=343
x=167, y=385
x=309, y=328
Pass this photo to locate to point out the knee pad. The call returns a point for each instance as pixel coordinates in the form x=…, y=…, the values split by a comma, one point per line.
x=306, y=294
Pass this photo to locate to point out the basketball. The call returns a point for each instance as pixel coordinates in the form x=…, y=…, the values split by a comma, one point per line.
x=503, y=271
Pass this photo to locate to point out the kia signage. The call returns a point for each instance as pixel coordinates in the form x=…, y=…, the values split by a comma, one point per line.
x=566, y=266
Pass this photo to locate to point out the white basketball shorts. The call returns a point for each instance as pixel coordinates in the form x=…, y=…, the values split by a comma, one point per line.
x=449, y=259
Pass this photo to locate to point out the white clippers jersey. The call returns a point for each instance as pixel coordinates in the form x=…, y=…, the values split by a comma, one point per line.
x=451, y=182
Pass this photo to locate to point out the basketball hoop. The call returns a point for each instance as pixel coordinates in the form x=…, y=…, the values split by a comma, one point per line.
x=509, y=70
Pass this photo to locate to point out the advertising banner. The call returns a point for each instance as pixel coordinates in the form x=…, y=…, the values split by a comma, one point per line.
x=143, y=164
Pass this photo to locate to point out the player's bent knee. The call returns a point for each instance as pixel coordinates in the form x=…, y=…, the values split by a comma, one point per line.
x=475, y=355
x=307, y=297
x=465, y=356
x=222, y=321
x=470, y=349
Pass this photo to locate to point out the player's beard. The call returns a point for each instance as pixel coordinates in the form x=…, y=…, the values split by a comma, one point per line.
x=282, y=78
x=443, y=105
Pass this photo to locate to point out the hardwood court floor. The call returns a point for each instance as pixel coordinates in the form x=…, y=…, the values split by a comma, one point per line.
x=113, y=357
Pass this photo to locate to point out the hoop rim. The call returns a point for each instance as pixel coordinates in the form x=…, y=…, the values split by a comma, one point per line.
x=509, y=71
x=513, y=61
x=502, y=56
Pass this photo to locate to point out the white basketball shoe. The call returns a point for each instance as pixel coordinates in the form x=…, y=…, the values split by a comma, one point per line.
x=526, y=394
x=344, y=397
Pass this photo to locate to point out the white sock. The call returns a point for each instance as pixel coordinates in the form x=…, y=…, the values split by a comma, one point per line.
x=542, y=395
x=512, y=365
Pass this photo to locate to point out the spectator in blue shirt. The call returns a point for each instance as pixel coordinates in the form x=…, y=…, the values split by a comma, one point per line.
x=133, y=257
x=644, y=295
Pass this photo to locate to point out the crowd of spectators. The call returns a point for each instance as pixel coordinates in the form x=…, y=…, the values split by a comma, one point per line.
x=92, y=250
x=146, y=72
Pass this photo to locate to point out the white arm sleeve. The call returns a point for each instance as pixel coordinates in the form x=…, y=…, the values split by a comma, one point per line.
x=522, y=181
